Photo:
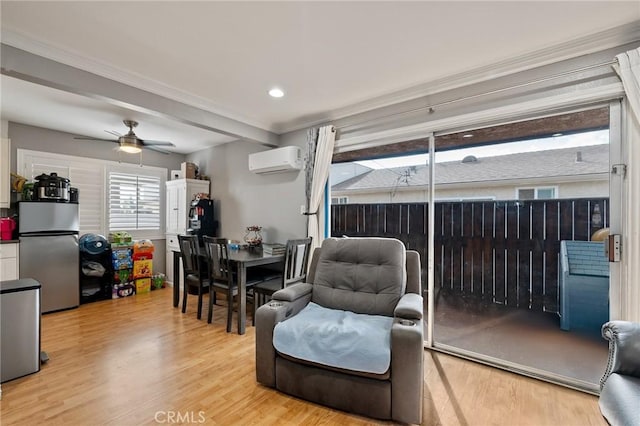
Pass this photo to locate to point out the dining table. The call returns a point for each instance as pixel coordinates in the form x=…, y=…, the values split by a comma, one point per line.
x=242, y=259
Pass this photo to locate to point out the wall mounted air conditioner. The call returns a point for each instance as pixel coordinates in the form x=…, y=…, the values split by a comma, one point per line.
x=276, y=160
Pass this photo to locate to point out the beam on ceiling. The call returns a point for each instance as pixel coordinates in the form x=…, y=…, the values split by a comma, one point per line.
x=39, y=70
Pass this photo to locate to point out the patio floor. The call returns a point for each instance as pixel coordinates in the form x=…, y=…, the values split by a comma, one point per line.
x=520, y=336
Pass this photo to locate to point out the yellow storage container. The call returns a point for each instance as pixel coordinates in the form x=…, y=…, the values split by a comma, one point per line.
x=143, y=285
x=142, y=268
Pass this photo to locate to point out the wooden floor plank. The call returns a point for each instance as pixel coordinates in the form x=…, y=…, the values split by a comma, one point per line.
x=137, y=361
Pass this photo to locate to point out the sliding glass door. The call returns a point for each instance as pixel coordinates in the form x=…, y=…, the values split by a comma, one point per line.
x=521, y=278
x=509, y=222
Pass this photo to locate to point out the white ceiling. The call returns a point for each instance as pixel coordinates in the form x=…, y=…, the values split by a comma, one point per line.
x=223, y=57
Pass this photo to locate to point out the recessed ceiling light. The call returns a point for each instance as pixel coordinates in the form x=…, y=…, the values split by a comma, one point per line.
x=556, y=134
x=467, y=135
x=276, y=93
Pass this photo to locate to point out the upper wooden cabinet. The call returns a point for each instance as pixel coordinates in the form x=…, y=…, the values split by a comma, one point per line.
x=5, y=173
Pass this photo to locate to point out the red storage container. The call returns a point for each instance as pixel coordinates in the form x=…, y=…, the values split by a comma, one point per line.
x=7, y=225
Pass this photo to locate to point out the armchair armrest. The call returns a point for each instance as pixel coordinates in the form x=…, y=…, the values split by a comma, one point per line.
x=284, y=304
x=624, y=348
x=409, y=307
x=407, y=365
x=293, y=292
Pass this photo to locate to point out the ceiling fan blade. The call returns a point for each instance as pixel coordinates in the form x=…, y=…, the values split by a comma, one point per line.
x=84, y=138
x=114, y=133
x=152, y=147
x=151, y=142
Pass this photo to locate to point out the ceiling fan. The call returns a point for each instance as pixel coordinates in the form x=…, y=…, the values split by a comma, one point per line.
x=130, y=143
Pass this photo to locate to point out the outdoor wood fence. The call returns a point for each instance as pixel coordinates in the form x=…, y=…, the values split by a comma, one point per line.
x=504, y=252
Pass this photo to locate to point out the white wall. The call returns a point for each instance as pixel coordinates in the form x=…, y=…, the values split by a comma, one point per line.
x=243, y=198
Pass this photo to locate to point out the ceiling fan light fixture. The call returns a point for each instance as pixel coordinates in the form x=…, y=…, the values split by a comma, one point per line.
x=130, y=149
x=130, y=144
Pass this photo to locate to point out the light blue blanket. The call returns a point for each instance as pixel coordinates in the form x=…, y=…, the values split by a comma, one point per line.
x=335, y=338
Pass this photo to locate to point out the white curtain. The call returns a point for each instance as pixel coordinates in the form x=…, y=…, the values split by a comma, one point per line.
x=321, y=166
x=628, y=68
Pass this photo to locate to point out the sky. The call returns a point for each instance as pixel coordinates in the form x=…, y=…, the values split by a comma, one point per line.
x=557, y=142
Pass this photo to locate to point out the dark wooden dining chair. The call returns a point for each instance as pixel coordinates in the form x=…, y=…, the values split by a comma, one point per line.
x=222, y=276
x=296, y=258
x=194, y=273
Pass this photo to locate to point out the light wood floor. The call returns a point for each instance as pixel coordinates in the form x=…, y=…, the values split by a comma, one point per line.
x=139, y=361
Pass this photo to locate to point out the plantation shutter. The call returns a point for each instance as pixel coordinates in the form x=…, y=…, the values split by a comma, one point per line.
x=134, y=202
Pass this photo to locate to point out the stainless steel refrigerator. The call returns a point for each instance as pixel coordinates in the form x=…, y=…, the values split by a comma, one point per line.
x=48, y=233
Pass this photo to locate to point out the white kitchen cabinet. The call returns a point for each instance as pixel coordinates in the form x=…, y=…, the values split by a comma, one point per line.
x=180, y=192
x=171, y=245
x=9, y=261
x=5, y=173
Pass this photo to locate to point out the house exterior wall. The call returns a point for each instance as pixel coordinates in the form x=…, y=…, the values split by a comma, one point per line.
x=597, y=188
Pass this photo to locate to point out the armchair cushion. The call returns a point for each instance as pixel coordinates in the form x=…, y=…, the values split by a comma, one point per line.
x=362, y=275
x=336, y=338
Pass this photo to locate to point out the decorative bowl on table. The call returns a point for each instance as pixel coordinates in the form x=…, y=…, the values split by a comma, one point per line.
x=253, y=237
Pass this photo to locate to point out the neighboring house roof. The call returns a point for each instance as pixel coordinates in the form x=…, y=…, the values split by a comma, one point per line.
x=527, y=165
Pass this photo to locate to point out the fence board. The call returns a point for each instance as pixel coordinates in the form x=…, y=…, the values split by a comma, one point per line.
x=512, y=253
x=524, y=256
x=447, y=252
x=581, y=221
x=500, y=249
x=537, y=250
x=455, y=242
x=566, y=220
x=487, y=248
x=477, y=248
x=392, y=219
x=551, y=257
x=438, y=257
x=466, y=248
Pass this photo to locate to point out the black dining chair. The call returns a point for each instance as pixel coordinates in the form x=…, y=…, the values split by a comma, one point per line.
x=222, y=276
x=194, y=273
x=296, y=258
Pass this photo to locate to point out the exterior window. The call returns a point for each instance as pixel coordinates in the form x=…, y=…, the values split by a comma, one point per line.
x=536, y=193
x=134, y=202
x=339, y=200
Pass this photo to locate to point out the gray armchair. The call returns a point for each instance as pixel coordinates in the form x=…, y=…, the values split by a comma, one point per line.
x=354, y=284
x=620, y=385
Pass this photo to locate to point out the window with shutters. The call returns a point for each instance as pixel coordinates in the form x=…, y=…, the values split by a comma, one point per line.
x=134, y=202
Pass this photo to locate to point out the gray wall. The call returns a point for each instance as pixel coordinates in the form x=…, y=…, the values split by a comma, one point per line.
x=244, y=198
x=39, y=139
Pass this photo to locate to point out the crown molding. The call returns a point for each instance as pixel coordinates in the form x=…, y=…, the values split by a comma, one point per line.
x=102, y=69
x=608, y=39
